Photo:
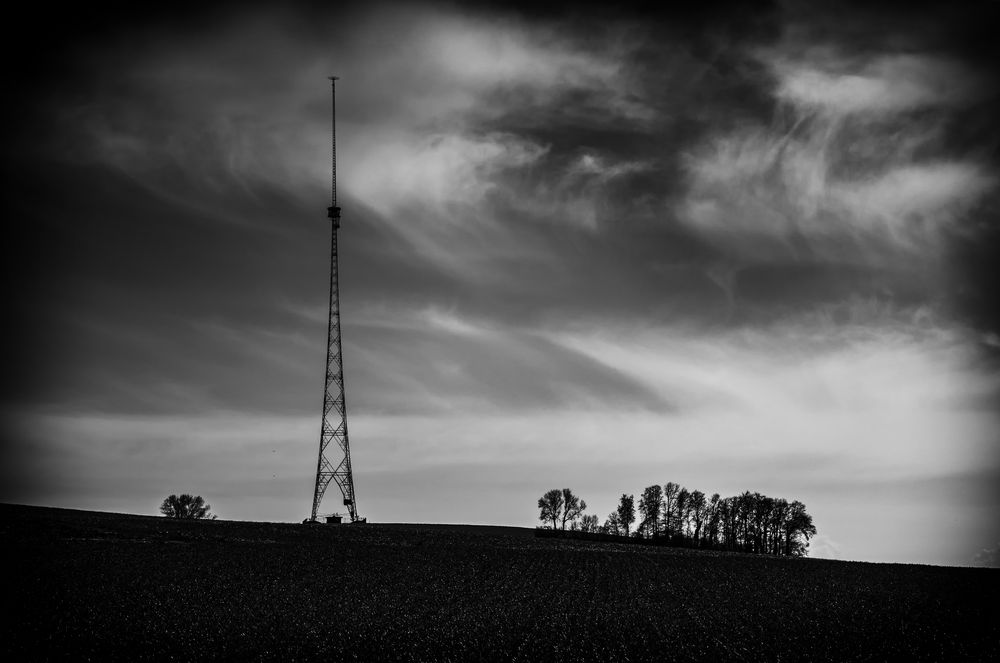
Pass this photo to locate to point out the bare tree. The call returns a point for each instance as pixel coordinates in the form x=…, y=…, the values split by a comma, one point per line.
x=626, y=512
x=573, y=506
x=186, y=507
x=551, y=505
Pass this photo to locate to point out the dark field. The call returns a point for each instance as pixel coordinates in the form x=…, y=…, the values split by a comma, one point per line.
x=84, y=585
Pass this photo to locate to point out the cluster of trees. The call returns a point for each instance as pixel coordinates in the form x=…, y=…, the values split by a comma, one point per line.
x=671, y=514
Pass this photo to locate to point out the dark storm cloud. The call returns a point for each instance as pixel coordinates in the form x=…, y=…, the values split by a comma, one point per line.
x=527, y=170
x=160, y=308
x=962, y=37
x=177, y=215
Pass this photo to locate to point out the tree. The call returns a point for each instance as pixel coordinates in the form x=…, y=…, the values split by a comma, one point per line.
x=573, y=506
x=551, y=504
x=650, y=505
x=588, y=523
x=762, y=505
x=699, y=509
x=682, y=509
x=775, y=525
x=626, y=512
x=744, y=506
x=714, y=516
x=798, y=524
x=611, y=525
x=186, y=507
x=670, y=491
x=728, y=517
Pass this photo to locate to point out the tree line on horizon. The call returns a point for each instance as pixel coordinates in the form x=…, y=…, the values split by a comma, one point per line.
x=673, y=515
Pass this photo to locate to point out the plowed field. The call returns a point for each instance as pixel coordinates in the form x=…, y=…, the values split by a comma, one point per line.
x=95, y=586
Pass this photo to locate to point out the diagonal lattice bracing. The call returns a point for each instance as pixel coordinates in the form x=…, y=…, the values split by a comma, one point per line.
x=334, y=463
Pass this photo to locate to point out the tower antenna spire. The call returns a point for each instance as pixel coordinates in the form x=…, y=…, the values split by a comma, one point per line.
x=333, y=143
x=334, y=463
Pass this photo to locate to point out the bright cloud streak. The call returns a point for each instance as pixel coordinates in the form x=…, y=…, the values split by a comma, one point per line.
x=397, y=173
x=885, y=84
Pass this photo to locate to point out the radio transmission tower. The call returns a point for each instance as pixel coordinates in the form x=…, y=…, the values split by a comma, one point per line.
x=334, y=462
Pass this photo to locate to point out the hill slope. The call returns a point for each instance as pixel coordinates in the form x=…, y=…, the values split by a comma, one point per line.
x=122, y=587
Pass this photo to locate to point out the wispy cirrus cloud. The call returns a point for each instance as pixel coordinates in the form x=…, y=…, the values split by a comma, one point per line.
x=445, y=172
x=425, y=100
x=824, y=80
x=847, y=171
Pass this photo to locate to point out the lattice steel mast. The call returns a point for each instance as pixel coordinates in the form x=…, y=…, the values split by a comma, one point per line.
x=334, y=462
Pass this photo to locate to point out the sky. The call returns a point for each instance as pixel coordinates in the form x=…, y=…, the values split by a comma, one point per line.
x=589, y=246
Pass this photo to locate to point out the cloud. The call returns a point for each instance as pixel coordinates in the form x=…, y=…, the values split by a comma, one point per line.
x=442, y=120
x=858, y=356
x=910, y=204
x=841, y=176
x=828, y=82
x=473, y=55
x=417, y=106
x=397, y=173
x=580, y=194
x=869, y=418
x=434, y=360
